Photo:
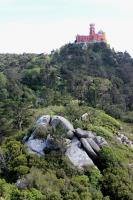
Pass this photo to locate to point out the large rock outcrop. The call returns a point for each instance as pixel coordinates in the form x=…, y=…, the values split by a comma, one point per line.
x=77, y=155
x=82, y=148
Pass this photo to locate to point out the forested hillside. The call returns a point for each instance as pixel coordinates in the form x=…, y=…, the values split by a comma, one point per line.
x=71, y=81
x=95, y=75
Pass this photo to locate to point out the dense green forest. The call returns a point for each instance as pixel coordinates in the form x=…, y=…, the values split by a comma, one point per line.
x=70, y=82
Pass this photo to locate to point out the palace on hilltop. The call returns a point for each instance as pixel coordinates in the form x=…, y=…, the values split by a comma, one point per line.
x=93, y=37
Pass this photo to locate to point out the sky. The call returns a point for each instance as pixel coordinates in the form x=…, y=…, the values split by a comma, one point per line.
x=39, y=26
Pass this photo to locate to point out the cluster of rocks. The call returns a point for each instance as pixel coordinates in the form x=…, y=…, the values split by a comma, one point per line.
x=82, y=146
x=124, y=140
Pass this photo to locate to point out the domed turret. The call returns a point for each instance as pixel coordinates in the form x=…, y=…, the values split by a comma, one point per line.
x=100, y=32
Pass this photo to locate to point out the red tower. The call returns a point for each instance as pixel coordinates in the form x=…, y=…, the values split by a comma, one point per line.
x=92, y=29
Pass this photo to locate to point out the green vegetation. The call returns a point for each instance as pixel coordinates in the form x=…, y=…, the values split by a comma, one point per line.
x=69, y=82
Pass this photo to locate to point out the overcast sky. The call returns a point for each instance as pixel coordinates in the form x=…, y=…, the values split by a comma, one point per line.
x=43, y=25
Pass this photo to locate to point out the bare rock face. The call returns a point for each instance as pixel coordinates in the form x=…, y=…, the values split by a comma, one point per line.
x=84, y=134
x=89, y=150
x=77, y=155
x=36, y=146
x=65, y=124
x=93, y=144
x=44, y=120
x=70, y=134
x=100, y=141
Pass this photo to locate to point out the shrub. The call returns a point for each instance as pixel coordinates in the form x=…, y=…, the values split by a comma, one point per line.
x=54, y=196
x=46, y=183
x=110, y=157
x=42, y=132
x=94, y=176
x=71, y=196
x=85, y=196
x=21, y=170
x=117, y=183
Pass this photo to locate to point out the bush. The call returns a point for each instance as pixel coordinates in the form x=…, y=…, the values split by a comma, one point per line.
x=46, y=183
x=54, y=196
x=32, y=194
x=71, y=196
x=96, y=194
x=110, y=157
x=21, y=170
x=42, y=132
x=85, y=196
x=117, y=183
x=94, y=175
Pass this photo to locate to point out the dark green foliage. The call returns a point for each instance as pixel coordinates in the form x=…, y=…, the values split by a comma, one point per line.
x=68, y=82
x=117, y=180
x=42, y=131
x=95, y=75
x=13, y=161
x=59, y=135
x=117, y=183
x=11, y=192
x=110, y=157
x=95, y=176
x=54, y=196
x=101, y=77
